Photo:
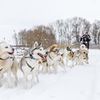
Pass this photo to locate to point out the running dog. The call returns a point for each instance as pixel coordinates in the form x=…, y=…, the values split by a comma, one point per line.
x=8, y=63
x=53, y=59
x=30, y=63
x=70, y=56
x=77, y=57
x=83, y=54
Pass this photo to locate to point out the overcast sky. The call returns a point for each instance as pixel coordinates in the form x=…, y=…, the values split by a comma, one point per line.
x=21, y=14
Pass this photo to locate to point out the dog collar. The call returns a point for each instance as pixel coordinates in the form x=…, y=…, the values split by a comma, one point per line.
x=7, y=58
x=4, y=59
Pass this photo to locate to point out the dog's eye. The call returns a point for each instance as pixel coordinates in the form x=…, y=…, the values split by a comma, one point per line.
x=84, y=52
x=6, y=47
x=41, y=49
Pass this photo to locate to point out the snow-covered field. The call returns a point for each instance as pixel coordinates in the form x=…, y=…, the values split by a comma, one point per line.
x=78, y=83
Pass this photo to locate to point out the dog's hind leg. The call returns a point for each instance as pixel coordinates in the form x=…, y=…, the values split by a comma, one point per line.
x=35, y=78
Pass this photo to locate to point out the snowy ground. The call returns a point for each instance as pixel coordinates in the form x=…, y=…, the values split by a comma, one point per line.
x=78, y=83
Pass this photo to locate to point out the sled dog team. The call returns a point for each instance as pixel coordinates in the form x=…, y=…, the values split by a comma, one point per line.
x=37, y=59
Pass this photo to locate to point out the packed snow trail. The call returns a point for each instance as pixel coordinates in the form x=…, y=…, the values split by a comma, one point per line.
x=78, y=83
x=95, y=87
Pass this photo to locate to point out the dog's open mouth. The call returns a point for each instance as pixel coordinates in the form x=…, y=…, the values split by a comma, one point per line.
x=10, y=53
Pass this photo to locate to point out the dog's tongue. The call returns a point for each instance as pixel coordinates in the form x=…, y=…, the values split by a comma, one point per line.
x=44, y=59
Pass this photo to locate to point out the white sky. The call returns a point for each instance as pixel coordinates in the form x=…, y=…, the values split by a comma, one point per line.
x=21, y=14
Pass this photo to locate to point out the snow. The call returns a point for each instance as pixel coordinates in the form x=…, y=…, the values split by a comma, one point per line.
x=78, y=83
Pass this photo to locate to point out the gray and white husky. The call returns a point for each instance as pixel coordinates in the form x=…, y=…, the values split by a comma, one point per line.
x=29, y=64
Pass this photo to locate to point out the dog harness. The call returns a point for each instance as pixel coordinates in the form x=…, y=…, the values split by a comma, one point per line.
x=32, y=57
x=29, y=66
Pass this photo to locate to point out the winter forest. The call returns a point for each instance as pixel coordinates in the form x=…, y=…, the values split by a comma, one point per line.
x=63, y=32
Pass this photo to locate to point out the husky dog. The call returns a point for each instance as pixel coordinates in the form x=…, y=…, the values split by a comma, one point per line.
x=53, y=59
x=30, y=62
x=77, y=57
x=83, y=54
x=70, y=56
x=8, y=63
x=83, y=47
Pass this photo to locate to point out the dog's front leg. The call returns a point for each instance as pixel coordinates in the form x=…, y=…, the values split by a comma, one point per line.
x=35, y=78
x=1, y=79
x=55, y=68
x=45, y=68
x=62, y=64
x=9, y=79
x=26, y=81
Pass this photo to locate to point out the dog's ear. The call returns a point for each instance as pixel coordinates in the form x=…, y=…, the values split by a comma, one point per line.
x=35, y=44
x=40, y=44
x=53, y=47
x=68, y=48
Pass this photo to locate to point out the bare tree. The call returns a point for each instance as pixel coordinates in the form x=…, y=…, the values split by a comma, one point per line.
x=42, y=34
x=15, y=36
x=95, y=31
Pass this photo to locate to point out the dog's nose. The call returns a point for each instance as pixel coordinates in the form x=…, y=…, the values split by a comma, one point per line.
x=46, y=52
